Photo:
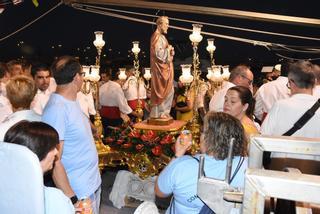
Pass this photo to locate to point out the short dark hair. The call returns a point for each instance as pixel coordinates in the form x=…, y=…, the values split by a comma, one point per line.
x=219, y=128
x=38, y=67
x=285, y=67
x=39, y=137
x=64, y=69
x=301, y=72
x=245, y=96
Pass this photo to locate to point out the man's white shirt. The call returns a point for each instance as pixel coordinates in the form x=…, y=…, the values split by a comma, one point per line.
x=5, y=108
x=86, y=103
x=130, y=89
x=111, y=94
x=268, y=94
x=40, y=101
x=285, y=113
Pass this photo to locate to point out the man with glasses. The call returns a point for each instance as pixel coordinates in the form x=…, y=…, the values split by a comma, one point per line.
x=270, y=92
x=286, y=112
x=79, y=157
x=240, y=75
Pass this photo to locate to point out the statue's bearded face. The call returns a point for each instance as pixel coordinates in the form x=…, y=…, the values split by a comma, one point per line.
x=164, y=26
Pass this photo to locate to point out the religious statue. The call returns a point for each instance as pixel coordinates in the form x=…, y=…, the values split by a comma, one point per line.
x=161, y=57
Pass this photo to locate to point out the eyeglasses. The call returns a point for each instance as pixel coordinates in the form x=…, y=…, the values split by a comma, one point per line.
x=250, y=81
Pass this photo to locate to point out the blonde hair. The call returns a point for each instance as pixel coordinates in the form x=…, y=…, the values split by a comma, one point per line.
x=21, y=91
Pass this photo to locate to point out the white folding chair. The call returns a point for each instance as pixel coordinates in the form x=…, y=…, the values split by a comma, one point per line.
x=21, y=180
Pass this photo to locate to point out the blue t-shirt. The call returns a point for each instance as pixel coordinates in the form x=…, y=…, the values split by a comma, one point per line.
x=180, y=177
x=57, y=202
x=79, y=157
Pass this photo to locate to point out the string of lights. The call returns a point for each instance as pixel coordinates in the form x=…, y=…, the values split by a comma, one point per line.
x=199, y=22
x=274, y=47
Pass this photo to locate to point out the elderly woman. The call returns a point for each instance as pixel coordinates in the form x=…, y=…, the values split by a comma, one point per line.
x=42, y=140
x=240, y=104
x=180, y=176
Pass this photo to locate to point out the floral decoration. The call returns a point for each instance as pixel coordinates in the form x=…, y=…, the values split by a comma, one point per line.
x=132, y=141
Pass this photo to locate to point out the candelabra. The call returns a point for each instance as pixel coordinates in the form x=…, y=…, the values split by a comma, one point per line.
x=195, y=39
x=90, y=84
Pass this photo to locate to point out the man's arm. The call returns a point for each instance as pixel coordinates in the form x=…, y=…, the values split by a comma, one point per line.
x=59, y=174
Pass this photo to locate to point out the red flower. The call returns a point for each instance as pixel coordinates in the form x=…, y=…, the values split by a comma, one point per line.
x=167, y=139
x=134, y=133
x=120, y=141
x=149, y=136
x=127, y=145
x=157, y=150
x=109, y=139
x=139, y=147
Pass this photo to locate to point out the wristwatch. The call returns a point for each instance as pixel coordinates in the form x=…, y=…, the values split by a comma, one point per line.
x=74, y=199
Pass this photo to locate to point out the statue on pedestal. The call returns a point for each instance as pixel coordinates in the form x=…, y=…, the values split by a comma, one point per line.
x=161, y=57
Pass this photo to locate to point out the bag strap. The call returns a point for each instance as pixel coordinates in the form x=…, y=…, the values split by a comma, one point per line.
x=303, y=119
x=204, y=173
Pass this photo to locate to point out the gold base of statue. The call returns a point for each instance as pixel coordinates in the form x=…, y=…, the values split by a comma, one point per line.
x=160, y=121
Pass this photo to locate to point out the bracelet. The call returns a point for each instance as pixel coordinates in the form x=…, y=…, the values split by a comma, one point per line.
x=74, y=199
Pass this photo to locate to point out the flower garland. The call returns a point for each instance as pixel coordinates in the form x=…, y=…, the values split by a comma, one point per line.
x=135, y=141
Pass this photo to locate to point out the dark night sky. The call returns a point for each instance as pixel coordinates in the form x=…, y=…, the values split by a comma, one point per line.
x=73, y=30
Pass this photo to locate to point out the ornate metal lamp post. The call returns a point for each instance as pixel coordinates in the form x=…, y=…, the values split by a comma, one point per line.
x=90, y=84
x=136, y=50
x=195, y=39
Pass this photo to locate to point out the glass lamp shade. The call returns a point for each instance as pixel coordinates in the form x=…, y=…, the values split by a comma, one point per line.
x=225, y=72
x=94, y=76
x=216, y=76
x=211, y=47
x=99, y=42
x=86, y=70
x=277, y=67
x=147, y=74
x=186, y=77
x=135, y=49
x=122, y=75
x=209, y=75
x=196, y=37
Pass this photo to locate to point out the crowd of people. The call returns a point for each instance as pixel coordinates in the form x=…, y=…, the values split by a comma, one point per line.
x=44, y=109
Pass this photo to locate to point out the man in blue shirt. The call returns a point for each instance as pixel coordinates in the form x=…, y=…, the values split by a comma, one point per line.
x=77, y=148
